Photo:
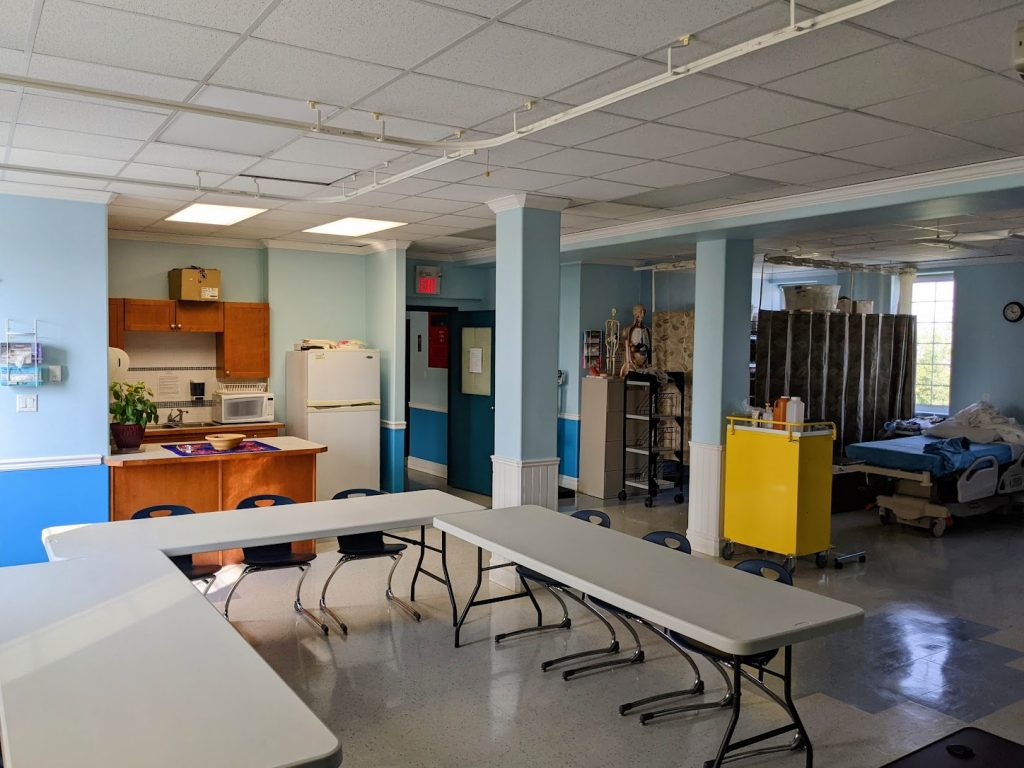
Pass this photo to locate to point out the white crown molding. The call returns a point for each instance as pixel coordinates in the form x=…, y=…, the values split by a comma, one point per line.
x=56, y=193
x=50, y=462
x=520, y=463
x=523, y=200
x=569, y=416
x=302, y=245
x=166, y=237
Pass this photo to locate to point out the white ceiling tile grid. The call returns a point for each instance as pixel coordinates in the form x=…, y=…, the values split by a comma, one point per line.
x=17, y=17
x=335, y=153
x=434, y=100
x=192, y=158
x=919, y=147
x=87, y=144
x=88, y=117
x=1004, y=132
x=660, y=174
x=737, y=156
x=585, y=128
x=750, y=112
x=986, y=41
x=976, y=99
x=846, y=129
x=810, y=169
x=226, y=135
x=64, y=162
x=231, y=15
x=595, y=189
x=109, y=78
x=579, y=162
x=172, y=175
x=655, y=141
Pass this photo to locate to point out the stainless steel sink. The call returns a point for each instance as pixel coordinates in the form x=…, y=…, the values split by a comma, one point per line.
x=188, y=425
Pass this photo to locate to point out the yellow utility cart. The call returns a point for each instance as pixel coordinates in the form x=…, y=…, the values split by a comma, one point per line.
x=778, y=488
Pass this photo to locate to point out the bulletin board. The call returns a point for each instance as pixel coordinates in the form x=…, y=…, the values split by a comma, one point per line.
x=476, y=361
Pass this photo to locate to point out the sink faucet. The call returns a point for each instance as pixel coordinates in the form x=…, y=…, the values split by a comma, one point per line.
x=176, y=419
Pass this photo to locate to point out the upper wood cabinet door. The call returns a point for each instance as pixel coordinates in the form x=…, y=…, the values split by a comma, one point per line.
x=149, y=315
x=115, y=323
x=243, y=349
x=200, y=316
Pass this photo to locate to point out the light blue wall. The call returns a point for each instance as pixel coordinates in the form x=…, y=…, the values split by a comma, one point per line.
x=861, y=286
x=674, y=290
x=468, y=287
x=53, y=269
x=570, y=337
x=988, y=352
x=138, y=269
x=428, y=386
x=312, y=295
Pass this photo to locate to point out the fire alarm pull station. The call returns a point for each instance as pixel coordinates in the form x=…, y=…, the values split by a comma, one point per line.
x=438, y=340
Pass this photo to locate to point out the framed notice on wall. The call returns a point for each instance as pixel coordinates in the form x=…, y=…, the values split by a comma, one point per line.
x=476, y=361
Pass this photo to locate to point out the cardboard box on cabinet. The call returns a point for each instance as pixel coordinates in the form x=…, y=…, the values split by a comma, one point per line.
x=194, y=284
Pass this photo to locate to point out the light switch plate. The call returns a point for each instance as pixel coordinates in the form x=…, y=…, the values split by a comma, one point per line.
x=27, y=403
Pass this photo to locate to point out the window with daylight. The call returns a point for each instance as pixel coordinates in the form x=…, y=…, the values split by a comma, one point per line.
x=932, y=304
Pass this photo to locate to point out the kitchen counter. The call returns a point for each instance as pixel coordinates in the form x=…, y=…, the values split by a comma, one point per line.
x=194, y=434
x=154, y=475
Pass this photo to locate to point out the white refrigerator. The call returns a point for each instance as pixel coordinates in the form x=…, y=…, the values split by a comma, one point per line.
x=333, y=398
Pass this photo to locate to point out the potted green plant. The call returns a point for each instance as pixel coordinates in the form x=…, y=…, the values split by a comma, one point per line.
x=132, y=409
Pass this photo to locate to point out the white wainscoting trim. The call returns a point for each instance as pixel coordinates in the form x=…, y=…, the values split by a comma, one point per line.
x=705, y=508
x=568, y=482
x=429, y=407
x=569, y=416
x=50, y=462
x=427, y=467
x=392, y=424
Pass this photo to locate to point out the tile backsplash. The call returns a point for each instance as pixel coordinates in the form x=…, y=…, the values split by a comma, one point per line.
x=168, y=363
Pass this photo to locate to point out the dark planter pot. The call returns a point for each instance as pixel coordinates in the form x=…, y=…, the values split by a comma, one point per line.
x=128, y=437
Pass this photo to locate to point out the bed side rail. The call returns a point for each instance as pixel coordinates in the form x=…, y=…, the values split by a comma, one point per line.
x=979, y=481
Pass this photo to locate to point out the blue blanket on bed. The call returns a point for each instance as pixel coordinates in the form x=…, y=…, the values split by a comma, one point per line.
x=912, y=454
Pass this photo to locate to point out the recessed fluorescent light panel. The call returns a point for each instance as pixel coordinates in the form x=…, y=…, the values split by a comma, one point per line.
x=221, y=215
x=352, y=227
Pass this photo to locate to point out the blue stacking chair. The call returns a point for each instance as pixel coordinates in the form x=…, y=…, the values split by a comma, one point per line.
x=274, y=557
x=557, y=589
x=204, y=573
x=365, y=546
x=764, y=568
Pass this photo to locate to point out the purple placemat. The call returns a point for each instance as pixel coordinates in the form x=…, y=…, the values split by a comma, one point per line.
x=205, y=449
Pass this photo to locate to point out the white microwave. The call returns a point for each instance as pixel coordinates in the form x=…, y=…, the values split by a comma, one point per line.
x=242, y=407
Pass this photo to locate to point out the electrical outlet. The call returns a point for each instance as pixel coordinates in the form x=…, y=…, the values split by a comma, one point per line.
x=27, y=404
x=56, y=374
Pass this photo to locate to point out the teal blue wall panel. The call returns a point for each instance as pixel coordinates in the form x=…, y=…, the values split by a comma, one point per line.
x=569, y=447
x=35, y=499
x=392, y=460
x=428, y=435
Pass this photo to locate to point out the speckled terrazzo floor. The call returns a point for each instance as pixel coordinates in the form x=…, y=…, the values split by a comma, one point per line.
x=943, y=646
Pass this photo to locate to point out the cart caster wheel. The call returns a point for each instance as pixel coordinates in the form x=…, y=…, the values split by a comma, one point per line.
x=884, y=515
x=649, y=502
x=728, y=550
x=938, y=527
x=679, y=498
x=622, y=495
x=862, y=559
x=839, y=565
x=821, y=560
x=789, y=564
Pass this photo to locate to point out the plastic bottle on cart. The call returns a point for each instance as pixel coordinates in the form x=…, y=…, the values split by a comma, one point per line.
x=779, y=412
x=795, y=412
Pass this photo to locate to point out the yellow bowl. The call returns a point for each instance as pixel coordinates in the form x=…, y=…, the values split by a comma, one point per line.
x=225, y=441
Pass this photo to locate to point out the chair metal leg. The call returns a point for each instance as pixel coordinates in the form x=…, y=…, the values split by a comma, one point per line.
x=231, y=593
x=637, y=656
x=647, y=717
x=612, y=647
x=207, y=583
x=300, y=609
x=391, y=595
x=323, y=596
x=696, y=689
x=565, y=623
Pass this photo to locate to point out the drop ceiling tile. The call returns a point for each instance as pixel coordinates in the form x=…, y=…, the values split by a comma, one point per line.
x=157, y=205
x=608, y=210
x=739, y=29
x=5, y=132
x=875, y=76
x=684, y=93
x=17, y=17
x=412, y=186
x=256, y=230
x=906, y=18
x=399, y=33
x=395, y=212
x=986, y=41
x=191, y=158
x=154, y=192
x=631, y=27
x=41, y=184
x=258, y=103
x=451, y=172
x=579, y=162
x=431, y=99
x=8, y=102
x=513, y=153
x=417, y=231
x=961, y=102
x=129, y=40
x=520, y=60
x=1004, y=132
x=800, y=54
x=366, y=198
x=335, y=153
x=359, y=120
x=525, y=181
x=64, y=162
x=259, y=65
x=846, y=129
x=689, y=194
x=273, y=187
x=183, y=228
x=226, y=135
x=737, y=156
x=148, y=214
x=109, y=78
x=11, y=61
x=461, y=222
x=487, y=8
x=585, y=128
x=232, y=15
x=129, y=223
x=748, y=113
x=432, y=205
x=857, y=178
x=786, y=190
x=595, y=189
x=622, y=76
x=88, y=117
x=87, y=144
x=810, y=169
x=470, y=193
x=981, y=155
x=654, y=141
x=171, y=175
x=919, y=147
x=660, y=174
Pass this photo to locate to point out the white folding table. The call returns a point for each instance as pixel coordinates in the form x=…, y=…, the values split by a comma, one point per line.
x=725, y=609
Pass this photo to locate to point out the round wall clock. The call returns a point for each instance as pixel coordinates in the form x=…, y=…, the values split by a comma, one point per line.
x=1013, y=312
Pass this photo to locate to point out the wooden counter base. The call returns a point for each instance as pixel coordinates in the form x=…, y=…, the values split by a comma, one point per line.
x=211, y=483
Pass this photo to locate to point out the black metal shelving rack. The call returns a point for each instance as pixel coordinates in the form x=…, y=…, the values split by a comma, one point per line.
x=662, y=413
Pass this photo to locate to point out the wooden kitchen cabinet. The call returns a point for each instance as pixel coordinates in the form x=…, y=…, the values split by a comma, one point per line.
x=243, y=349
x=199, y=316
x=149, y=315
x=115, y=323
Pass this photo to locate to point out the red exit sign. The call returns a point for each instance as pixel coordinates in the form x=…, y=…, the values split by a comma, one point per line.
x=430, y=286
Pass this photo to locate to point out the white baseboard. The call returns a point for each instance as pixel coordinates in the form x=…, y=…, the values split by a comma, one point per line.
x=427, y=467
x=565, y=481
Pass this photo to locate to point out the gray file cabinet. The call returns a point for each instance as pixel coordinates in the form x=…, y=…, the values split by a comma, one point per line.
x=601, y=420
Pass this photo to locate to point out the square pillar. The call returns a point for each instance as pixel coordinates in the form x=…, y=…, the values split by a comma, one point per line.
x=721, y=376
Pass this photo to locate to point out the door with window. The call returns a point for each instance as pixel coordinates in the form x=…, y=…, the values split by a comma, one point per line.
x=471, y=401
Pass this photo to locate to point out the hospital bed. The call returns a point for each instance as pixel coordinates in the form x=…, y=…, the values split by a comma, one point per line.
x=930, y=488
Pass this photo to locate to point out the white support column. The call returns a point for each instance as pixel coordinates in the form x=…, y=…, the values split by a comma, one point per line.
x=904, y=307
x=525, y=461
x=721, y=377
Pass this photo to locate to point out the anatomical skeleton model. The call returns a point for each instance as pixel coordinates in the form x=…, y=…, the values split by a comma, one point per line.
x=637, y=339
x=612, y=330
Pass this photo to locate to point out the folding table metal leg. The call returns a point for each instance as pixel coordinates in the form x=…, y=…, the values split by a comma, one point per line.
x=473, y=602
x=443, y=551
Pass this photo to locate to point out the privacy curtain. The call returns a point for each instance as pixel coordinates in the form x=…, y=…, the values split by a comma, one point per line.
x=672, y=343
x=854, y=370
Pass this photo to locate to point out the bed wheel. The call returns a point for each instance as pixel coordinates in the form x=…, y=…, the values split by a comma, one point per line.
x=622, y=495
x=821, y=559
x=728, y=550
x=938, y=527
x=884, y=515
x=679, y=498
x=649, y=501
x=789, y=564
